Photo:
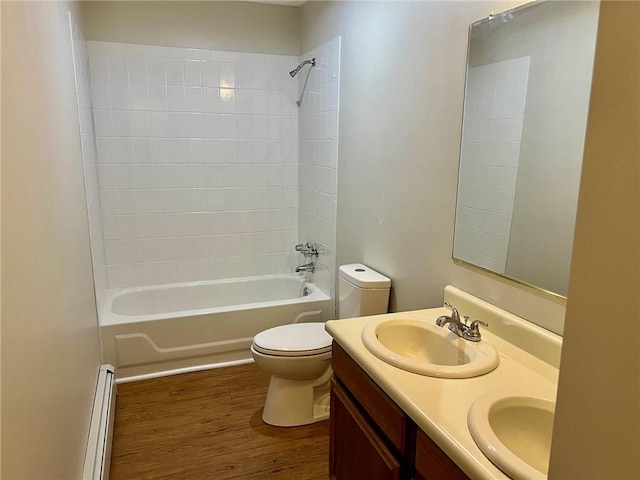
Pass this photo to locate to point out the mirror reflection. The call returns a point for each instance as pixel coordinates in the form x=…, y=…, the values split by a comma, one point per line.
x=526, y=100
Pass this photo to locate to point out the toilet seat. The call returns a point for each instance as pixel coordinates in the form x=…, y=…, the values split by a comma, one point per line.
x=295, y=340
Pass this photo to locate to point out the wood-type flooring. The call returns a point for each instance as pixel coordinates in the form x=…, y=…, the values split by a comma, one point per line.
x=207, y=425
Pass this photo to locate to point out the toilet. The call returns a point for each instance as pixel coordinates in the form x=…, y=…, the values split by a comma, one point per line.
x=298, y=356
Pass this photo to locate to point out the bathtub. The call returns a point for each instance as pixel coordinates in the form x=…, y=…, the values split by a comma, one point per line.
x=165, y=329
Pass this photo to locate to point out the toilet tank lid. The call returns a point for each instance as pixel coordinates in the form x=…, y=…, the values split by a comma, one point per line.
x=364, y=277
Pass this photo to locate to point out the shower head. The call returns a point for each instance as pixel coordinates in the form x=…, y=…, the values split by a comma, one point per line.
x=295, y=71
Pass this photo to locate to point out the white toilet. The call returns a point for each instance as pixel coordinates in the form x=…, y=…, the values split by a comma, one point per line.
x=298, y=356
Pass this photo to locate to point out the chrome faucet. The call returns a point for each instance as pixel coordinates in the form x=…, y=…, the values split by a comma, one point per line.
x=307, y=249
x=455, y=325
x=307, y=267
x=468, y=332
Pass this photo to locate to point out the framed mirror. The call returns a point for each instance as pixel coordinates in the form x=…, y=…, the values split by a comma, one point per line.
x=525, y=112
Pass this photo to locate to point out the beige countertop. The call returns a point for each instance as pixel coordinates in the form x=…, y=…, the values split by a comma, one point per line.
x=439, y=406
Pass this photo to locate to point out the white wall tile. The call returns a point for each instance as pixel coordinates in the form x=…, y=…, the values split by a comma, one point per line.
x=196, y=151
x=174, y=68
x=193, y=99
x=175, y=98
x=196, y=147
x=193, y=72
x=259, y=76
x=139, y=96
x=120, y=98
x=211, y=100
x=158, y=97
x=490, y=152
x=228, y=127
x=122, y=126
x=103, y=123
x=210, y=73
x=243, y=74
x=118, y=70
x=227, y=73
x=156, y=72
x=177, y=124
x=101, y=95
x=159, y=124
x=142, y=150
x=137, y=69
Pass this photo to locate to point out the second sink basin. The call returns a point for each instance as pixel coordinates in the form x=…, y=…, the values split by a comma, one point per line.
x=420, y=347
x=514, y=432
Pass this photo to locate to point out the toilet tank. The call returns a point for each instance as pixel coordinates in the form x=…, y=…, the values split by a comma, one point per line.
x=362, y=291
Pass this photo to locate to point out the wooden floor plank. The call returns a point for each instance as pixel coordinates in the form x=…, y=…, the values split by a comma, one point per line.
x=208, y=425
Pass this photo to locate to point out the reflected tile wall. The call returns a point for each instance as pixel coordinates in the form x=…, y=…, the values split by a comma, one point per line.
x=492, y=129
x=197, y=156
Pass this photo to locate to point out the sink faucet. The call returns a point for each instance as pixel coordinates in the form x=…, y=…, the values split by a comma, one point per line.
x=455, y=325
x=307, y=267
x=468, y=332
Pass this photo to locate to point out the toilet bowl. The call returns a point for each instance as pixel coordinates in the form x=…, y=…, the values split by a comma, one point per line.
x=298, y=356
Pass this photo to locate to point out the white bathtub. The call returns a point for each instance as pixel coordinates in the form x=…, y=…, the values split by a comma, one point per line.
x=164, y=329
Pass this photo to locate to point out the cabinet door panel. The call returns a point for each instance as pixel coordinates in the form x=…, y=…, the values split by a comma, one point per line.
x=383, y=411
x=432, y=463
x=356, y=452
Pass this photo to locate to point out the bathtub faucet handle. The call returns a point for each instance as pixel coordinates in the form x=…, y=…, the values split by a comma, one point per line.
x=307, y=249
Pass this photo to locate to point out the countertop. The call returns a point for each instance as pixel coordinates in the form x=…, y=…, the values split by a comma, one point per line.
x=439, y=406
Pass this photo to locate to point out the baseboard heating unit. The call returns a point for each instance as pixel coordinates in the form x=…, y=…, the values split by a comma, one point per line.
x=98, y=455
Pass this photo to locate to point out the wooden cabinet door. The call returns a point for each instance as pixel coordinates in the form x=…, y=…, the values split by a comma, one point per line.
x=432, y=463
x=356, y=451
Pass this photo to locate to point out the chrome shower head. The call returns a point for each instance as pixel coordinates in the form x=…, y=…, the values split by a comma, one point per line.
x=295, y=71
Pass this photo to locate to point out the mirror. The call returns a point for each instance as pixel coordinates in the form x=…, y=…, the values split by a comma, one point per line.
x=525, y=112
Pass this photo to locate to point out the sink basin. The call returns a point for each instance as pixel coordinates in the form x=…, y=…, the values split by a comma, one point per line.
x=424, y=348
x=514, y=432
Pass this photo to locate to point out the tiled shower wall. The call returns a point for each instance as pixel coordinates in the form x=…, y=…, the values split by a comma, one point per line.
x=492, y=131
x=89, y=160
x=198, y=162
x=319, y=105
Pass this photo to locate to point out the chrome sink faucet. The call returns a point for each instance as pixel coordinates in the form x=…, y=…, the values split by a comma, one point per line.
x=468, y=332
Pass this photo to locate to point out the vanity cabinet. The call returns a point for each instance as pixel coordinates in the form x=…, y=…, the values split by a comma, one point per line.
x=433, y=463
x=372, y=438
x=357, y=450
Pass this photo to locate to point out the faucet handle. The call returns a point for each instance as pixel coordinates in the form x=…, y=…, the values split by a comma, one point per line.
x=472, y=332
x=307, y=249
x=454, y=312
x=473, y=328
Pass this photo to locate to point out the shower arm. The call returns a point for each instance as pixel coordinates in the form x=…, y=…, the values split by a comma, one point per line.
x=295, y=71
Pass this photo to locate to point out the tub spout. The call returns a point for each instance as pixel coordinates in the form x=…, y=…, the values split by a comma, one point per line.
x=307, y=267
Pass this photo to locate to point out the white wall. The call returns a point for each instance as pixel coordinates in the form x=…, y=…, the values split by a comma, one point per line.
x=597, y=423
x=198, y=162
x=50, y=352
x=232, y=25
x=401, y=95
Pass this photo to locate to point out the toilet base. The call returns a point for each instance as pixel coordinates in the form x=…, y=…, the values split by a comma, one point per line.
x=293, y=403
